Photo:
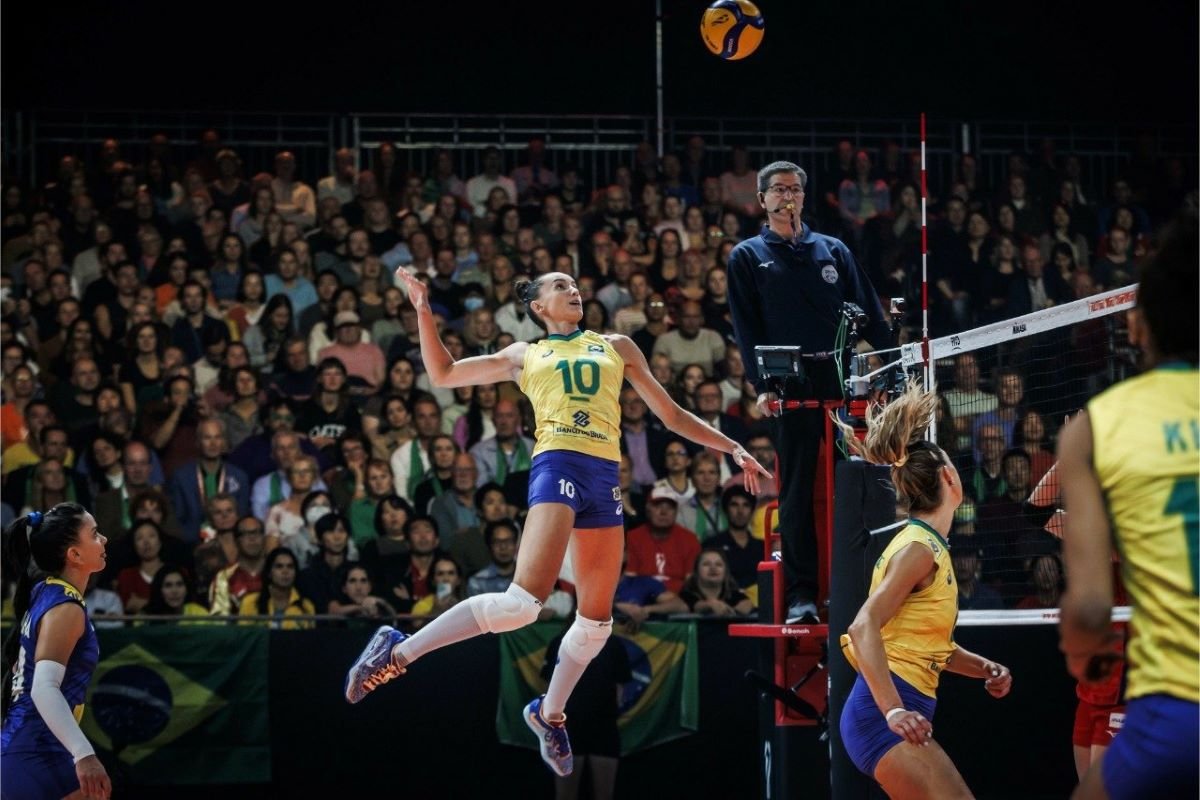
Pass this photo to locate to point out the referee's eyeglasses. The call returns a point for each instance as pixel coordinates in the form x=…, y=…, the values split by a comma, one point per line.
x=780, y=190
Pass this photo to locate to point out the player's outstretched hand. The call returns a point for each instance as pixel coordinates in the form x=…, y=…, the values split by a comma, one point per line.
x=418, y=293
x=752, y=471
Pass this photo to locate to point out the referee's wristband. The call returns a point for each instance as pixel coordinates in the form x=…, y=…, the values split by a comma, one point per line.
x=897, y=710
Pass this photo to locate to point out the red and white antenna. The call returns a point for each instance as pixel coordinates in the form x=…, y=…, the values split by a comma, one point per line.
x=928, y=368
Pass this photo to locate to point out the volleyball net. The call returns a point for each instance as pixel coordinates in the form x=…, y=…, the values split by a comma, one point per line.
x=1005, y=390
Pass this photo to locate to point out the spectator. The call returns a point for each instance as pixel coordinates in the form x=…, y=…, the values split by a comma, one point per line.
x=709, y=402
x=996, y=283
x=196, y=328
x=242, y=416
x=507, y=451
x=972, y=594
x=275, y=486
x=1046, y=580
x=861, y=199
x=392, y=431
x=1010, y=393
x=113, y=511
x=75, y=403
x=1062, y=230
x=676, y=482
x=330, y=412
x=477, y=424
x=662, y=549
x=1029, y=434
x=691, y=343
x=1037, y=288
x=278, y=598
x=469, y=549
x=133, y=583
x=1114, y=266
x=171, y=596
x=340, y=184
x=742, y=551
x=638, y=597
x=454, y=511
x=480, y=187
x=416, y=580
x=355, y=598
x=645, y=445
x=233, y=583
x=710, y=589
x=386, y=555
x=633, y=501
x=303, y=540
x=254, y=454
x=410, y=461
x=293, y=375
x=195, y=481
x=986, y=481
x=443, y=451
x=325, y=574
x=739, y=187
x=501, y=539
x=219, y=525
x=449, y=590
x=966, y=399
x=294, y=199
x=702, y=513
x=287, y=280
x=1008, y=536
x=284, y=519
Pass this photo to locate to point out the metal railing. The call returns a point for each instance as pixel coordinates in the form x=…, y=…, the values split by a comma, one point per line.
x=33, y=141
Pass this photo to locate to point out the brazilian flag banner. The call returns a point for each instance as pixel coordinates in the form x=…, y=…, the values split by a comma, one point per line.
x=661, y=703
x=182, y=704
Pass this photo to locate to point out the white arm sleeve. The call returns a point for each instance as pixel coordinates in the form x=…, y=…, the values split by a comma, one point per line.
x=48, y=699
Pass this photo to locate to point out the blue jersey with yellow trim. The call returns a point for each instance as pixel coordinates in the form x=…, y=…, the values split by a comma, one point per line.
x=82, y=663
x=574, y=384
x=1146, y=454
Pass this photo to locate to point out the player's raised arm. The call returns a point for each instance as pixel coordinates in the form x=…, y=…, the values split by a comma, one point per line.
x=679, y=420
x=443, y=370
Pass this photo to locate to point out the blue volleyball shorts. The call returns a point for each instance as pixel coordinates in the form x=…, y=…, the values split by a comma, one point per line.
x=1154, y=754
x=30, y=775
x=585, y=483
x=865, y=733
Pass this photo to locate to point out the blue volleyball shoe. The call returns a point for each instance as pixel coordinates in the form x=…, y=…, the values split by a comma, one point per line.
x=375, y=666
x=556, y=747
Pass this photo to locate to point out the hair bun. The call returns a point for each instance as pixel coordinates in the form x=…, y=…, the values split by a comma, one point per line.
x=35, y=519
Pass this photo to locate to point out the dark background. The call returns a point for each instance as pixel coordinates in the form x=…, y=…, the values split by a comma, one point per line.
x=1037, y=59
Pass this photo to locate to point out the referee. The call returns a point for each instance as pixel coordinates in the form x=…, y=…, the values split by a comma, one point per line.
x=786, y=287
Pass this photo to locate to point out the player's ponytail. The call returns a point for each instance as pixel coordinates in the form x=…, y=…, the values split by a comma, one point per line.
x=38, y=540
x=895, y=437
x=526, y=291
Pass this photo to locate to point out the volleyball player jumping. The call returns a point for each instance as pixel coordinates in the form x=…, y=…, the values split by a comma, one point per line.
x=573, y=379
x=902, y=638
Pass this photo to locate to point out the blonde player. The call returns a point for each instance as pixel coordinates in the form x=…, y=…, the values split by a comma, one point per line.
x=1130, y=468
x=903, y=636
x=573, y=379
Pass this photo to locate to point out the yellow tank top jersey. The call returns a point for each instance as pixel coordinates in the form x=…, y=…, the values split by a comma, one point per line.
x=574, y=383
x=919, y=640
x=1146, y=452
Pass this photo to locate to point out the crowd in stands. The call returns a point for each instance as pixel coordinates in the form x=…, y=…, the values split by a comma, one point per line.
x=223, y=368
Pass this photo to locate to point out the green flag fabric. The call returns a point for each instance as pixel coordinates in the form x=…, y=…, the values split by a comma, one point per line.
x=182, y=704
x=661, y=703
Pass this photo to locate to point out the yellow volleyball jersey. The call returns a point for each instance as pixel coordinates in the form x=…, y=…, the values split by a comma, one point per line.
x=574, y=384
x=919, y=640
x=1146, y=453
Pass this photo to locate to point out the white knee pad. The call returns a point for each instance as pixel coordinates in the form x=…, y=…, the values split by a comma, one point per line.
x=585, y=639
x=497, y=613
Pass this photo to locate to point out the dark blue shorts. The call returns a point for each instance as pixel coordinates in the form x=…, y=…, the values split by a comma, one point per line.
x=1154, y=755
x=585, y=483
x=31, y=775
x=865, y=733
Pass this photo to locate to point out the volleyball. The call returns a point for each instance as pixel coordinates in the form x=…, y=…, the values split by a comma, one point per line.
x=732, y=29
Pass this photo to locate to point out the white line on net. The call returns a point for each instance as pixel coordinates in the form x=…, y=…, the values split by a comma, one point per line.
x=1036, y=616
